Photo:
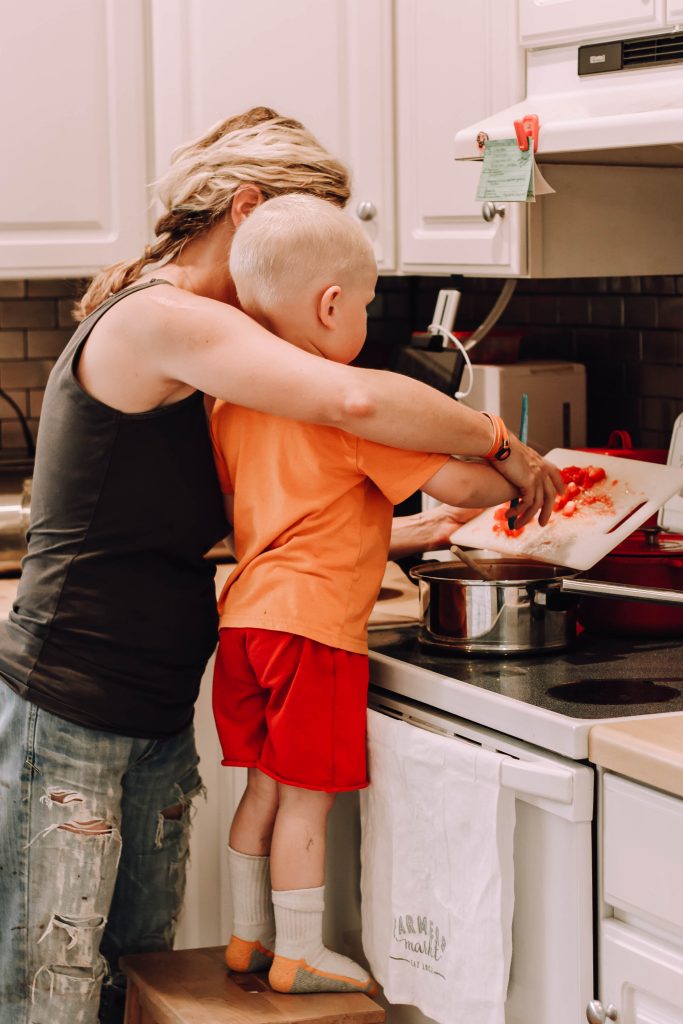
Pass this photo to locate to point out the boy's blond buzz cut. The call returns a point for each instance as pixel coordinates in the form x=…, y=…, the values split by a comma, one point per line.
x=296, y=240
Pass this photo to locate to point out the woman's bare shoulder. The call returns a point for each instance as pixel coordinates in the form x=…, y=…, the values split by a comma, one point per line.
x=161, y=317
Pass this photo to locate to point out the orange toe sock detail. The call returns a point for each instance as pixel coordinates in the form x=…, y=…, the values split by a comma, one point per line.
x=244, y=957
x=296, y=976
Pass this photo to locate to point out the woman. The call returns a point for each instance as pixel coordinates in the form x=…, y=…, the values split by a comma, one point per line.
x=115, y=616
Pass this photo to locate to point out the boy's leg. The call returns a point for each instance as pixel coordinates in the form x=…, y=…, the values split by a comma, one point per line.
x=253, y=927
x=302, y=963
x=158, y=789
x=60, y=844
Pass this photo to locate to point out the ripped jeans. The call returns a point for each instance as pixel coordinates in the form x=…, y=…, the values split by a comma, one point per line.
x=94, y=835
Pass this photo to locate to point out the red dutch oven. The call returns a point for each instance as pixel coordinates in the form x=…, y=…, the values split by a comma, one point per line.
x=619, y=444
x=648, y=558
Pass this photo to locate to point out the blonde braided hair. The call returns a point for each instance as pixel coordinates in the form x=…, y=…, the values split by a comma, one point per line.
x=259, y=147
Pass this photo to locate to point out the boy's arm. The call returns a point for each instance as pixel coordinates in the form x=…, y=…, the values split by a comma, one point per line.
x=469, y=484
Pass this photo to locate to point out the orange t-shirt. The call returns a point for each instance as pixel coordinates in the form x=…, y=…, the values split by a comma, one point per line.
x=313, y=510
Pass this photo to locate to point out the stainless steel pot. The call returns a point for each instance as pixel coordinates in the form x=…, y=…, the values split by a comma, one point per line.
x=521, y=609
x=15, y=502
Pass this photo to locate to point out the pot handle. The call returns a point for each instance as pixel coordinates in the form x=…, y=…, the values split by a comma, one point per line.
x=600, y=588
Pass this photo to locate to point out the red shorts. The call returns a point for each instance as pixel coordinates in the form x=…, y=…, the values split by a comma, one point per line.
x=293, y=707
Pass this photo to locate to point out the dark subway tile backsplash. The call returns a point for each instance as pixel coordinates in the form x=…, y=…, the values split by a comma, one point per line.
x=627, y=331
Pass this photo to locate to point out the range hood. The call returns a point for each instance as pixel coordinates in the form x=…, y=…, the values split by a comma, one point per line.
x=630, y=116
x=611, y=145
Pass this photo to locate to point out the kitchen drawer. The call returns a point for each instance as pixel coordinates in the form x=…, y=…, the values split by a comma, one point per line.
x=642, y=842
x=641, y=976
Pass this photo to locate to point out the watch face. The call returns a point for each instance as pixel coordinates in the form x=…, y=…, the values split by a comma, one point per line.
x=504, y=452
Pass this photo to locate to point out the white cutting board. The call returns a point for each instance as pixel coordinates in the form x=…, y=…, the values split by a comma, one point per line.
x=633, y=491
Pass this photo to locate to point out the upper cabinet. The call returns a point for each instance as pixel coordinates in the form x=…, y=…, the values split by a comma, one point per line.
x=383, y=85
x=544, y=23
x=456, y=62
x=103, y=91
x=74, y=131
x=327, y=63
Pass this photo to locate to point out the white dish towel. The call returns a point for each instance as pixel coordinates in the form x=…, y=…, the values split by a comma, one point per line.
x=437, y=874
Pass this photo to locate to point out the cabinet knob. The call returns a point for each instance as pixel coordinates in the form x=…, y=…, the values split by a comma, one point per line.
x=366, y=210
x=597, y=1014
x=491, y=210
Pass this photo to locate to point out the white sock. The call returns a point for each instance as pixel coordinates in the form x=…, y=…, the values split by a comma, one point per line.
x=299, y=932
x=253, y=917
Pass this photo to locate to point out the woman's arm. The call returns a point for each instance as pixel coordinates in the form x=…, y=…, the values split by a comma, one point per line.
x=219, y=350
x=426, y=531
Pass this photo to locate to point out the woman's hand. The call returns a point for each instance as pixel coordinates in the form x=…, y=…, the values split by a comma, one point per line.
x=426, y=531
x=537, y=480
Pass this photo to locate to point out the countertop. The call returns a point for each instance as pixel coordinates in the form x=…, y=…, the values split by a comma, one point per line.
x=647, y=750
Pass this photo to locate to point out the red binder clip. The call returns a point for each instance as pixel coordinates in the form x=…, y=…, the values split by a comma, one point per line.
x=525, y=129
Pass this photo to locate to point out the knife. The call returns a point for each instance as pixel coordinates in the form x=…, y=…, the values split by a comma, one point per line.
x=523, y=434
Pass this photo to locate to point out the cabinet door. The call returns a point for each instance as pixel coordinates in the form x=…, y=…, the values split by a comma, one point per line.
x=674, y=11
x=641, y=976
x=457, y=62
x=327, y=63
x=566, y=20
x=74, y=170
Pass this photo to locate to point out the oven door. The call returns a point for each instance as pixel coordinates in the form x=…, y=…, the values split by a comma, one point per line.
x=551, y=977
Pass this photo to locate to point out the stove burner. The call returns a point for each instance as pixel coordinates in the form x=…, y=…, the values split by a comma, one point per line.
x=614, y=691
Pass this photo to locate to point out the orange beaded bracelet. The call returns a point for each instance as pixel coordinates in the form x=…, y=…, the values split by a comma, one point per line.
x=500, y=447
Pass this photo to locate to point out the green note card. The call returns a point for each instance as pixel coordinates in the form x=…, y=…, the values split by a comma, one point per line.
x=508, y=172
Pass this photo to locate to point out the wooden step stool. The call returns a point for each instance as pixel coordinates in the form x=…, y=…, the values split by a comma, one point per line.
x=193, y=986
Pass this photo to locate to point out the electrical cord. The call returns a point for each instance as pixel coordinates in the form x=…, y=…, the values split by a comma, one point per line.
x=437, y=328
x=26, y=430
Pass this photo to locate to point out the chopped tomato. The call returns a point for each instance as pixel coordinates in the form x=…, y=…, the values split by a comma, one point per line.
x=595, y=474
x=574, y=474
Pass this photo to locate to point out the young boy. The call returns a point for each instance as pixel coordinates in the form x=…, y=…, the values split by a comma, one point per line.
x=312, y=512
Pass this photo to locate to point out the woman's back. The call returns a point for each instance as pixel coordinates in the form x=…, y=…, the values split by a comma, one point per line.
x=115, y=616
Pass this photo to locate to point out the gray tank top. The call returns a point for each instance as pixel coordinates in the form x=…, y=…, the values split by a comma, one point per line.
x=115, y=616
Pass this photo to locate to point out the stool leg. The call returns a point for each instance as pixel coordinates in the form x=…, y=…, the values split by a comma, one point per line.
x=134, y=1012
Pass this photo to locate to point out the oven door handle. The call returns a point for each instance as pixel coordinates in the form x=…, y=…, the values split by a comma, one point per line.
x=529, y=778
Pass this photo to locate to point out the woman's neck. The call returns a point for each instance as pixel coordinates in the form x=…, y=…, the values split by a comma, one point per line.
x=201, y=266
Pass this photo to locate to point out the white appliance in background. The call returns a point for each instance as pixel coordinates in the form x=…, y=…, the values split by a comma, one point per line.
x=557, y=405
x=552, y=934
x=557, y=399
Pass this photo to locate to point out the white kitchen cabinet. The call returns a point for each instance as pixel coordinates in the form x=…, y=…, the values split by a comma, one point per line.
x=546, y=23
x=456, y=62
x=74, y=165
x=641, y=919
x=328, y=63
x=641, y=976
x=674, y=11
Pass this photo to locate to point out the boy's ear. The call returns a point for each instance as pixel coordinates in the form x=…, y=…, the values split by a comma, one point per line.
x=327, y=306
x=244, y=202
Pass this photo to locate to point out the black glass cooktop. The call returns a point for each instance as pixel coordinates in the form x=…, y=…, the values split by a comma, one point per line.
x=600, y=677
